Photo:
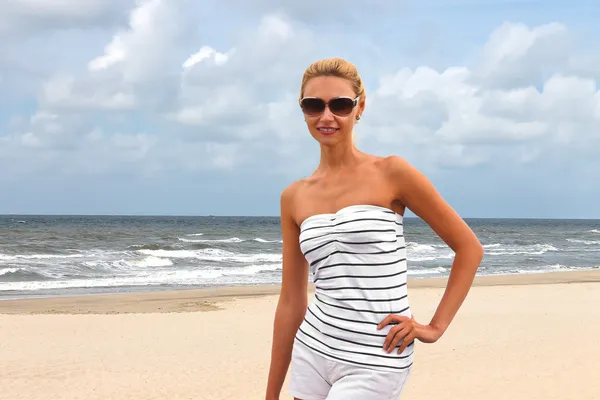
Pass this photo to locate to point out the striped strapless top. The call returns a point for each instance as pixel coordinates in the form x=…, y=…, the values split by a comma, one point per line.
x=357, y=258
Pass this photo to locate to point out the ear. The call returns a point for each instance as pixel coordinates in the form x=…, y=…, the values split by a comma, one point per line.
x=362, y=104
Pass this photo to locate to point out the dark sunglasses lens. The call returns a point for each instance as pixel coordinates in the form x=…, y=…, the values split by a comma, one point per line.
x=313, y=106
x=341, y=106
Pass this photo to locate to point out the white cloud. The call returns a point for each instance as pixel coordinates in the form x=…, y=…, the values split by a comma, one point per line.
x=517, y=55
x=141, y=51
x=475, y=116
x=158, y=98
x=30, y=140
x=68, y=92
x=32, y=16
x=207, y=53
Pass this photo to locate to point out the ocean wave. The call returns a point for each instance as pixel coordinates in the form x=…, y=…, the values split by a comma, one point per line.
x=587, y=242
x=491, y=246
x=546, y=268
x=4, y=271
x=228, y=240
x=156, y=278
x=260, y=240
x=427, y=252
x=426, y=271
x=151, y=246
x=431, y=252
x=211, y=254
x=533, y=249
x=15, y=274
x=9, y=257
x=430, y=258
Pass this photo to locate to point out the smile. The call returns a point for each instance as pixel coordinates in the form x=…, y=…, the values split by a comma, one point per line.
x=328, y=131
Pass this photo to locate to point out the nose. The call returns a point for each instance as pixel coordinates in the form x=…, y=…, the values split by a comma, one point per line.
x=327, y=115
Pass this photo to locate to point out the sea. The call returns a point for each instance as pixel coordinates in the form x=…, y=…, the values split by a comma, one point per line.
x=47, y=256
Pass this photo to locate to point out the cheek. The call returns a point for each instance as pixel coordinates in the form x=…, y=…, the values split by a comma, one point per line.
x=346, y=123
x=311, y=123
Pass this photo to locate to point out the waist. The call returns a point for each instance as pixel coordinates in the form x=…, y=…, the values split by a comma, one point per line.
x=347, y=329
x=360, y=306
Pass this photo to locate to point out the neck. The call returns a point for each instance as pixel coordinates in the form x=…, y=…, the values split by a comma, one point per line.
x=336, y=158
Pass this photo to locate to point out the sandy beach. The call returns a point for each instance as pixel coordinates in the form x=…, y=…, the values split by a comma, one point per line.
x=533, y=336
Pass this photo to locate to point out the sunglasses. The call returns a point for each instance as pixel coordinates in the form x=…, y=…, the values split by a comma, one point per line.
x=340, y=106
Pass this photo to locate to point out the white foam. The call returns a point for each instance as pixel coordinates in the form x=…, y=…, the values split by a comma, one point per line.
x=7, y=257
x=152, y=262
x=228, y=240
x=161, y=277
x=427, y=252
x=267, y=241
x=427, y=271
x=431, y=258
x=547, y=268
x=169, y=253
x=588, y=242
x=214, y=255
x=535, y=249
x=251, y=269
x=419, y=248
x=491, y=246
x=190, y=240
x=5, y=271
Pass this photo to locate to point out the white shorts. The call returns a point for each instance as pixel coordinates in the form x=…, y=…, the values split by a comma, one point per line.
x=314, y=377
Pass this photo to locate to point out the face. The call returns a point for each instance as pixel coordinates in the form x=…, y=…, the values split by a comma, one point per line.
x=335, y=122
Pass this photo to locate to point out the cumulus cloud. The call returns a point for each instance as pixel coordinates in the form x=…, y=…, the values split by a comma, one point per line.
x=518, y=104
x=207, y=53
x=142, y=50
x=156, y=97
x=517, y=55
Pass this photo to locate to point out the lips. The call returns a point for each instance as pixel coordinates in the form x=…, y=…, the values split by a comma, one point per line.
x=328, y=131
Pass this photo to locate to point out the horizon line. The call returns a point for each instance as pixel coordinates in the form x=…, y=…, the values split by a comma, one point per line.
x=260, y=216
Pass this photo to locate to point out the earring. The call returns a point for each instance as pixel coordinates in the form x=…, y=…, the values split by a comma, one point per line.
x=358, y=117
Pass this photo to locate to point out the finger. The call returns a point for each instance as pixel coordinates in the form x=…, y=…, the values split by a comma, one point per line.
x=398, y=337
x=386, y=321
x=390, y=336
x=391, y=318
x=407, y=340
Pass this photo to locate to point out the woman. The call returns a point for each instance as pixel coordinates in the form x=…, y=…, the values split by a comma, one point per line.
x=344, y=222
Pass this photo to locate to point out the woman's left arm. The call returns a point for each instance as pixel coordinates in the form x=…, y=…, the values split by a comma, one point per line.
x=418, y=194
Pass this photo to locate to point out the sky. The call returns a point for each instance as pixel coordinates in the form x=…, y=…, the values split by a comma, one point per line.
x=180, y=107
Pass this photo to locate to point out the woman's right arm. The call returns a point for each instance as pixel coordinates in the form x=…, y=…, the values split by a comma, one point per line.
x=292, y=304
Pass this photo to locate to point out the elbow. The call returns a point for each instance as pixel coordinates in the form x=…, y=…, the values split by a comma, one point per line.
x=477, y=252
x=471, y=253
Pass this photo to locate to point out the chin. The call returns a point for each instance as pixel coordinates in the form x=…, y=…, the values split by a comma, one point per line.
x=329, y=140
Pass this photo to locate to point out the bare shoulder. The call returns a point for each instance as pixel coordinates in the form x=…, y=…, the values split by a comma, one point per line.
x=415, y=191
x=396, y=167
x=404, y=177
x=289, y=197
x=410, y=186
x=289, y=193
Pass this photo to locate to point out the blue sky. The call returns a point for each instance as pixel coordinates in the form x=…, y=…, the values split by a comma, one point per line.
x=180, y=108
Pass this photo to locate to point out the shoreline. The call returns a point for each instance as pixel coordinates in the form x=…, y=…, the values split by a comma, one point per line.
x=210, y=299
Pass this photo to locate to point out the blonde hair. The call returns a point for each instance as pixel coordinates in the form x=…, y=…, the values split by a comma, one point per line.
x=334, y=67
